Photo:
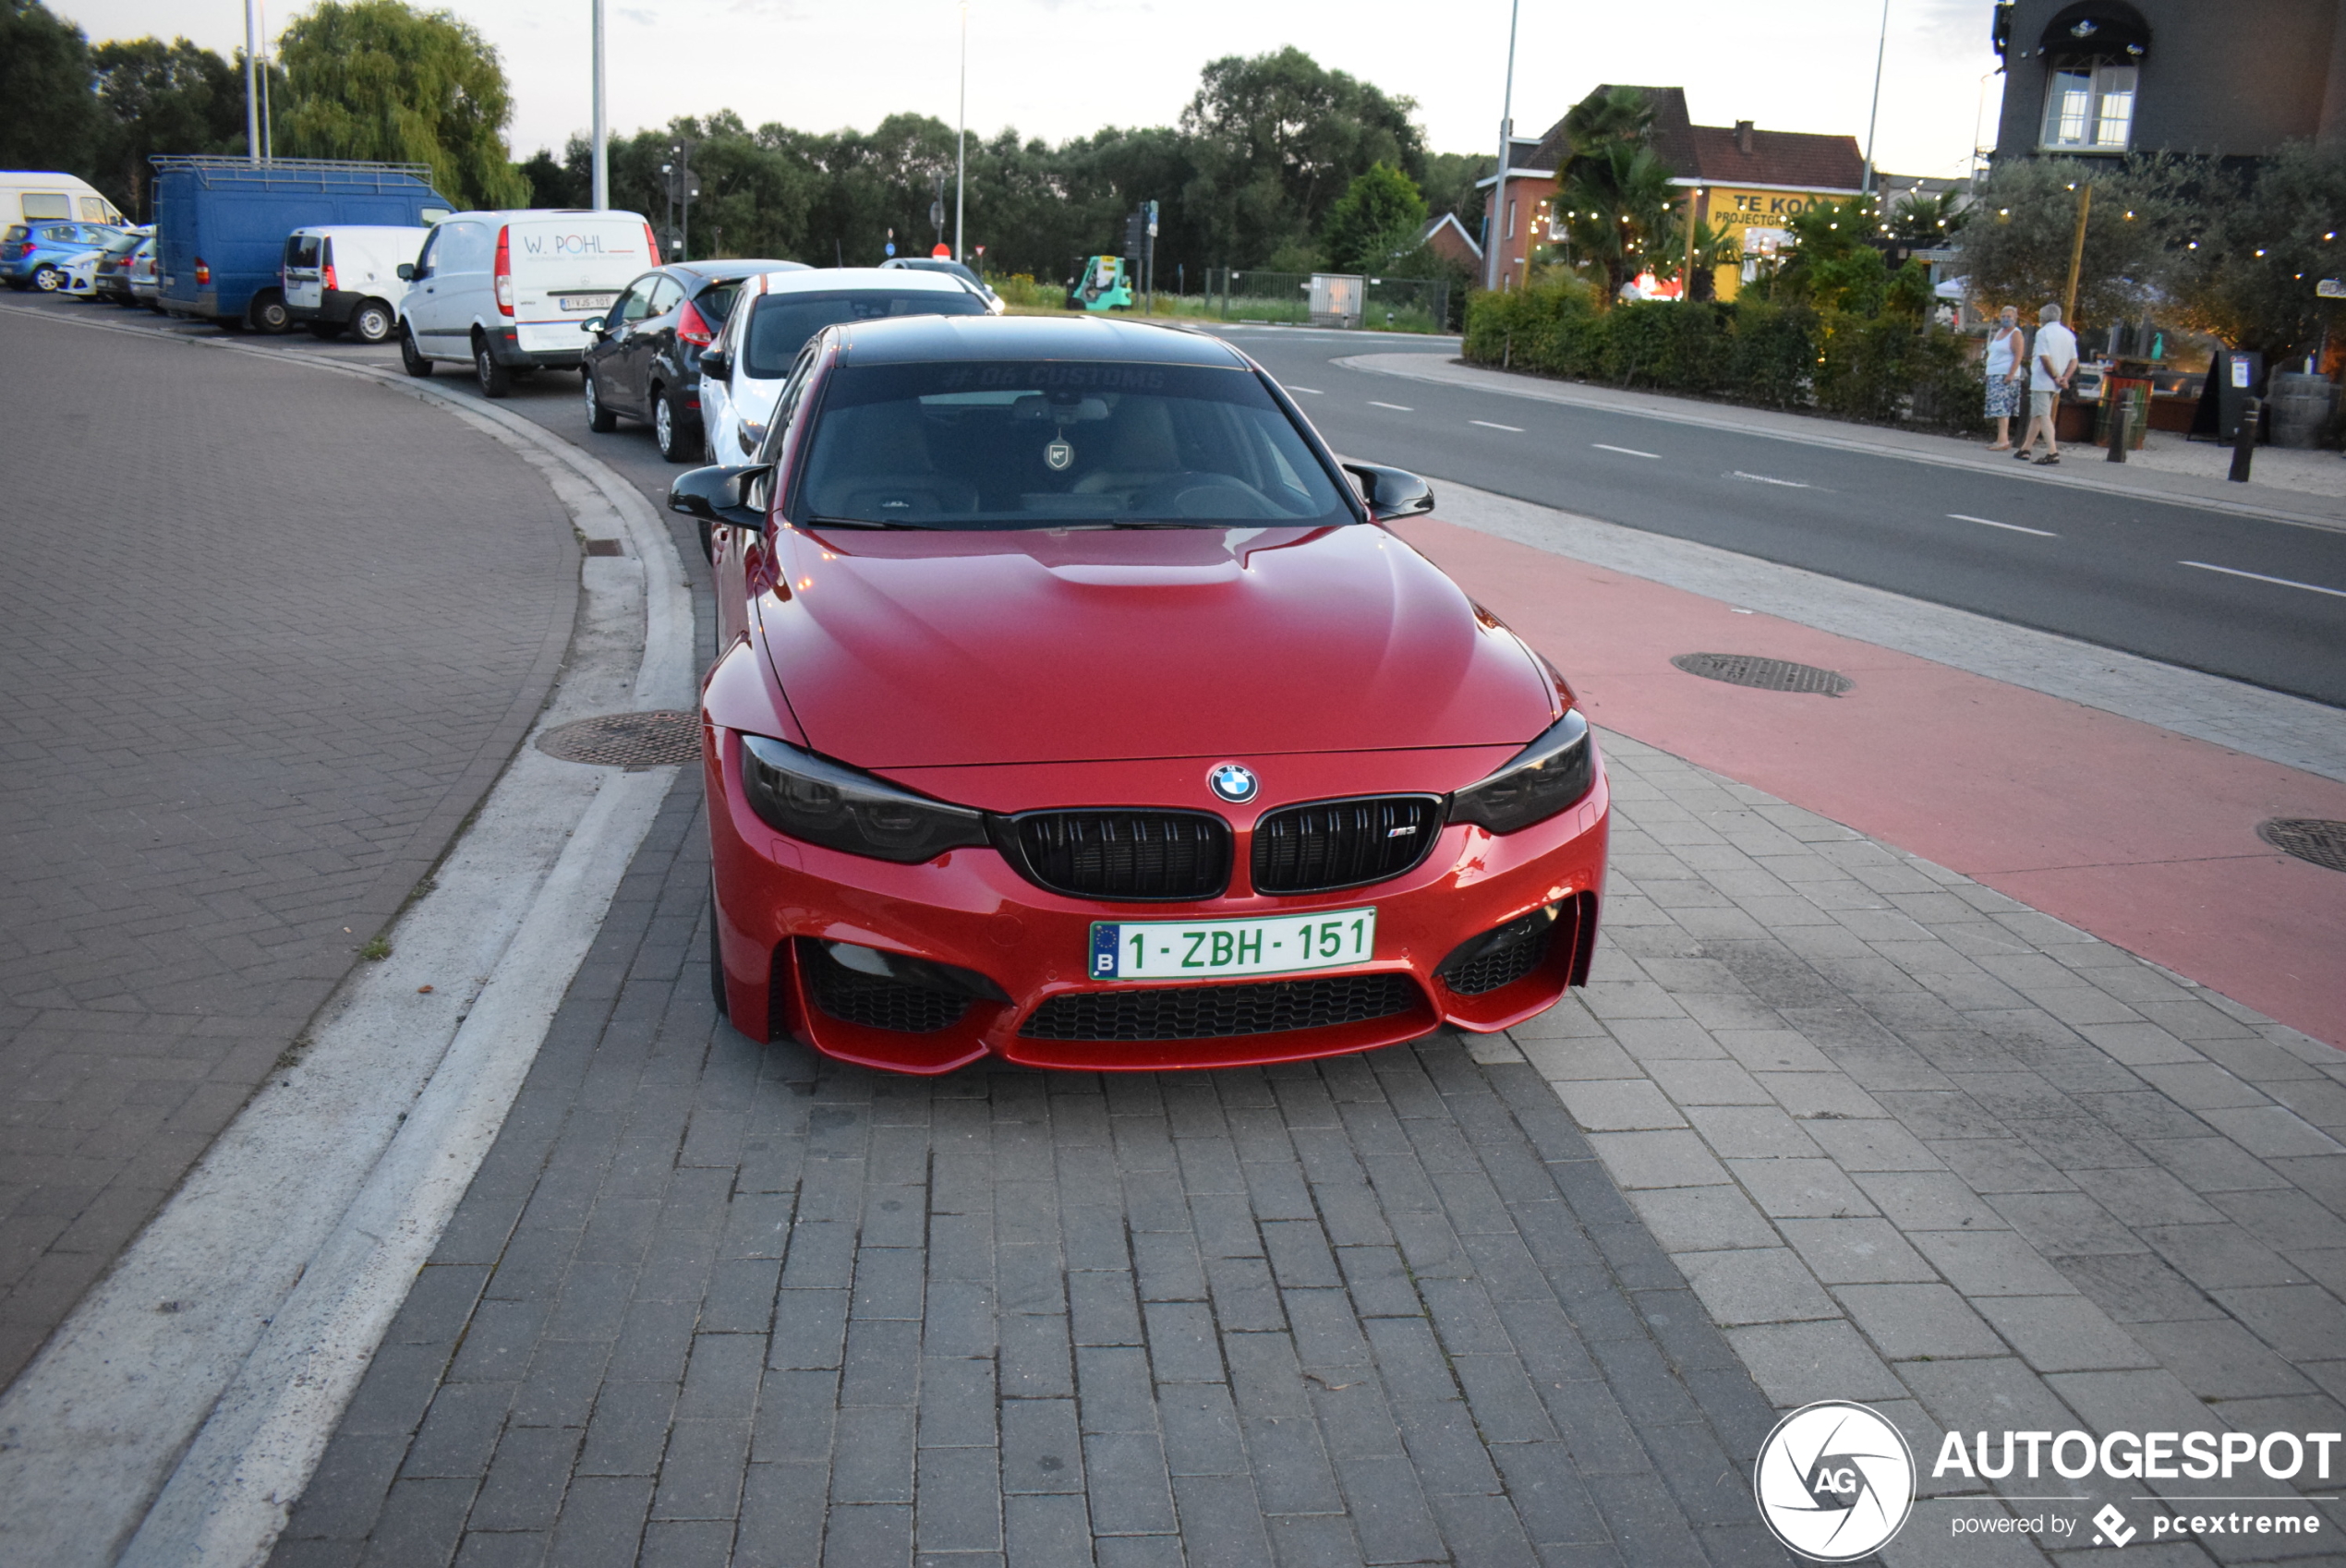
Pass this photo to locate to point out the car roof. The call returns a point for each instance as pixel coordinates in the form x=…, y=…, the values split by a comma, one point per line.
x=920, y=339
x=895, y=280
x=723, y=270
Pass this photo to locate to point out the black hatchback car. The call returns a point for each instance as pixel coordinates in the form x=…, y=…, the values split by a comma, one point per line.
x=644, y=363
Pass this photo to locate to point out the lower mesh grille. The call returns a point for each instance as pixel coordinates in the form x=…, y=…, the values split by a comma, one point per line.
x=1331, y=844
x=1503, y=968
x=874, y=1001
x=1210, y=1012
x=1123, y=855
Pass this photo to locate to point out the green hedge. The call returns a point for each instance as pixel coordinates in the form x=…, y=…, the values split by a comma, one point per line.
x=1885, y=369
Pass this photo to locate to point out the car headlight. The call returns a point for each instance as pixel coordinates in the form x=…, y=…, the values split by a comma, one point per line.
x=1550, y=774
x=829, y=804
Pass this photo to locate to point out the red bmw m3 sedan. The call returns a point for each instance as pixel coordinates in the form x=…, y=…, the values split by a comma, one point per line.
x=1075, y=705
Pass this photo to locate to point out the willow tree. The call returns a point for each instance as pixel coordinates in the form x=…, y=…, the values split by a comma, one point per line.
x=379, y=80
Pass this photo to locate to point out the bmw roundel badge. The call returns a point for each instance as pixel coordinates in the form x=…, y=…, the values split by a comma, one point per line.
x=1234, y=783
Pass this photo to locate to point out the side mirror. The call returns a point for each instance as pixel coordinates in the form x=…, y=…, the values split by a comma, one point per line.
x=716, y=364
x=1392, y=492
x=406, y=271
x=592, y=324
x=733, y=497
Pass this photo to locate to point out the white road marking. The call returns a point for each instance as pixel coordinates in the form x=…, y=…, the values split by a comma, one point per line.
x=1313, y=391
x=1990, y=522
x=2259, y=576
x=1396, y=407
x=1625, y=450
x=1511, y=429
x=1762, y=478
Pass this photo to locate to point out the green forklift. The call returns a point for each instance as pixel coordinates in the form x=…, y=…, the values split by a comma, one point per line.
x=1101, y=282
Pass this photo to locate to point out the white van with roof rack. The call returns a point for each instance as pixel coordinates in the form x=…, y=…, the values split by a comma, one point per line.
x=509, y=290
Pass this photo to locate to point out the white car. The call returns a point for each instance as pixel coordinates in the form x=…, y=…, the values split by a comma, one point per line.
x=80, y=274
x=512, y=291
x=772, y=318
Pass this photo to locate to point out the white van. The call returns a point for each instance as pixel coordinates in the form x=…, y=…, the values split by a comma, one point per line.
x=509, y=290
x=35, y=196
x=342, y=277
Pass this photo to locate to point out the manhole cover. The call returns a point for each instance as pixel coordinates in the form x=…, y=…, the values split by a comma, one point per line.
x=627, y=740
x=1765, y=674
x=2307, y=837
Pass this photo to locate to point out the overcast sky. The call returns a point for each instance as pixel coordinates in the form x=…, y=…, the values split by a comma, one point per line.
x=1057, y=69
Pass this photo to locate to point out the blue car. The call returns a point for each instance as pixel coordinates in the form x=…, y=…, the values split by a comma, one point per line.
x=34, y=255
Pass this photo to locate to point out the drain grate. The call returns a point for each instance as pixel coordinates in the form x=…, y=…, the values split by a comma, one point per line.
x=604, y=546
x=2308, y=838
x=1764, y=674
x=627, y=740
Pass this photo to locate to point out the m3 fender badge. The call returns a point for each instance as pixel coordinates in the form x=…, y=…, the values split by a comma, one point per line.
x=1058, y=454
x=1233, y=783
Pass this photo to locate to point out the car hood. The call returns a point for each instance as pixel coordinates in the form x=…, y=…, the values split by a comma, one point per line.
x=906, y=649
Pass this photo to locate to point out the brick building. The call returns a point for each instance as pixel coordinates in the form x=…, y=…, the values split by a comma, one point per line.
x=1749, y=178
x=2234, y=78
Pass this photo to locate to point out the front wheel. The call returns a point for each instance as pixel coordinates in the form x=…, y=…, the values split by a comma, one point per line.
x=372, y=322
x=667, y=428
x=47, y=279
x=494, y=379
x=411, y=358
x=268, y=314
x=600, y=420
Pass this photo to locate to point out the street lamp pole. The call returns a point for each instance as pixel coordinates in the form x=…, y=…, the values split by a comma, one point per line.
x=1882, y=48
x=252, y=86
x=602, y=141
x=961, y=138
x=1494, y=216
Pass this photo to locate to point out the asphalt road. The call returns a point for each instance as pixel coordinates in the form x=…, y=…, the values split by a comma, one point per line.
x=2106, y=569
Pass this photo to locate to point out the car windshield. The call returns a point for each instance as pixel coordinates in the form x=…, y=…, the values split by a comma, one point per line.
x=1055, y=443
x=779, y=324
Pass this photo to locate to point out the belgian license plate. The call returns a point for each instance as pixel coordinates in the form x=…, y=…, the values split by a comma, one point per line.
x=1194, y=949
x=584, y=301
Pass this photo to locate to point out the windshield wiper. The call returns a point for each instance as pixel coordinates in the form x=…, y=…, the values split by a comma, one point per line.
x=863, y=523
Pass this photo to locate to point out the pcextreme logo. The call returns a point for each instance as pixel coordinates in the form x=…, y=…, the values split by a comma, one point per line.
x=1834, y=1482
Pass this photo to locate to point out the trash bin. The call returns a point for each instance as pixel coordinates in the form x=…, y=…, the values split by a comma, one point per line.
x=2300, y=408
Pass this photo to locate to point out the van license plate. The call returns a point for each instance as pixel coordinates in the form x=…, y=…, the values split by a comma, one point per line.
x=1192, y=950
x=584, y=301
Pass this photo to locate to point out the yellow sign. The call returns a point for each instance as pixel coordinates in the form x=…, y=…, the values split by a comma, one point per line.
x=1762, y=209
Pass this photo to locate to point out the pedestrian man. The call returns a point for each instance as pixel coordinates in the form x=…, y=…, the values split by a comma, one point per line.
x=2052, y=365
x=2007, y=373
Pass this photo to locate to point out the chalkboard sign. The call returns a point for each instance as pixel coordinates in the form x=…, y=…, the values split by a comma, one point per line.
x=2234, y=375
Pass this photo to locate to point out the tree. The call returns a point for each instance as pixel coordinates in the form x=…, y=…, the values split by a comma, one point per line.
x=50, y=121
x=1606, y=116
x=1928, y=219
x=2017, y=242
x=158, y=97
x=1278, y=138
x=378, y=79
x=2248, y=274
x=1449, y=186
x=1619, y=209
x=1375, y=222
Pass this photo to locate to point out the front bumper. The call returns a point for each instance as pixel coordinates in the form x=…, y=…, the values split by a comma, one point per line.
x=779, y=898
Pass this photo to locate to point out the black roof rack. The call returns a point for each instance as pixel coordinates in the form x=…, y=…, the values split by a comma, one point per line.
x=212, y=167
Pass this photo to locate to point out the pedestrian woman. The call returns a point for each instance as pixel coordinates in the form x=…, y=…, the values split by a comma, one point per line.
x=2007, y=373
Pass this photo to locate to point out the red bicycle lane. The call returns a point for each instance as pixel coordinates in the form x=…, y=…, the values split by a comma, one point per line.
x=2140, y=835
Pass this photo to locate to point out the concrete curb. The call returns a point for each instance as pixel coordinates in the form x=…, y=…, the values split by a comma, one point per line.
x=204, y=1374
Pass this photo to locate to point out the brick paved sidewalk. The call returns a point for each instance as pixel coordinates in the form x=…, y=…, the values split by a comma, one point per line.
x=269, y=635
x=711, y=1302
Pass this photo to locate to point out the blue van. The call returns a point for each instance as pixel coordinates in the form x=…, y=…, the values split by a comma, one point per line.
x=222, y=223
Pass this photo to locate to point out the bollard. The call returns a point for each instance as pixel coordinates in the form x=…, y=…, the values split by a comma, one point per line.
x=2116, y=426
x=2245, y=440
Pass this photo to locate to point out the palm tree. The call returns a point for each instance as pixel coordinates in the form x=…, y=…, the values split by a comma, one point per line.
x=1618, y=206
x=1608, y=115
